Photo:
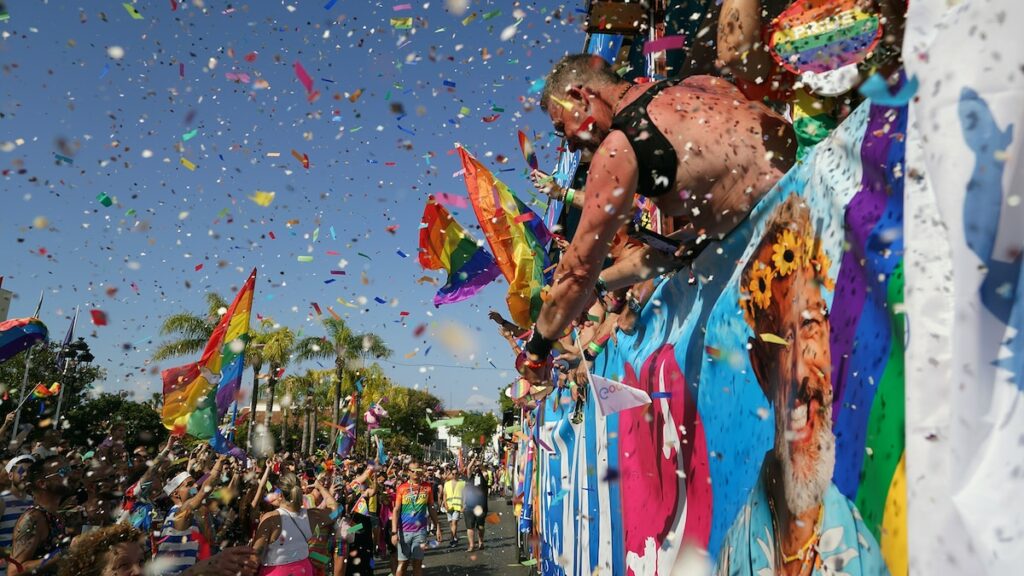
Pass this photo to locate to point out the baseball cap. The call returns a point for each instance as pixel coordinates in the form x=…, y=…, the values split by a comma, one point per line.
x=17, y=460
x=175, y=483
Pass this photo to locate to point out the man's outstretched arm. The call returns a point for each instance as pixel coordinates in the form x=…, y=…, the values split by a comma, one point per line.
x=611, y=184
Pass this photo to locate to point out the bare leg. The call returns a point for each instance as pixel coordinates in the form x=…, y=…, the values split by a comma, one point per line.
x=400, y=571
x=417, y=567
x=469, y=536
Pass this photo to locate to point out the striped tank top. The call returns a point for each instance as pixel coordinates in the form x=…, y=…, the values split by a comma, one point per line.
x=14, y=507
x=179, y=548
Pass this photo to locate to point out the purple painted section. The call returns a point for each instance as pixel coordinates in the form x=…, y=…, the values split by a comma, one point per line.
x=862, y=213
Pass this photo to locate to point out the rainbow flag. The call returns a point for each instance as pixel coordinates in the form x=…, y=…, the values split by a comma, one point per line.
x=197, y=395
x=445, y=245
x=42, y=391
x=347, y=423
x=20, y=334
x=517, y=236
x=823, y=35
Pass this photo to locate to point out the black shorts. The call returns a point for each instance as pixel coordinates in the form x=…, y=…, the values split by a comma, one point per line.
x=473, y=521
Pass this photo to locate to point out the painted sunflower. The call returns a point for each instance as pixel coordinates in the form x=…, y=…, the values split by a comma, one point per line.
x=761, y=285
x=786, y=253
x=822, y=264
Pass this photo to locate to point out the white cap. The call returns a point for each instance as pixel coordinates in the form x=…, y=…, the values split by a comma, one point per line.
x=175, y=483
x=17, y=460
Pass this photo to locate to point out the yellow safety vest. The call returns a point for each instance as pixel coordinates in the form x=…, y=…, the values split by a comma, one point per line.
x=453, y=494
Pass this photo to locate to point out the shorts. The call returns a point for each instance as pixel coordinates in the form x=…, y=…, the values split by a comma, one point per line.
x=411, y=545
x=475, y=522
x=374, y=520
x=454, y=515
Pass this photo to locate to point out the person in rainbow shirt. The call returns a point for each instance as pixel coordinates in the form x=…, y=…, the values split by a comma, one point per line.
x=413, y=501
x=795, y=521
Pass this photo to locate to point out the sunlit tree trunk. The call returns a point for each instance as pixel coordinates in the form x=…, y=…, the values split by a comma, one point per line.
x=252, y=404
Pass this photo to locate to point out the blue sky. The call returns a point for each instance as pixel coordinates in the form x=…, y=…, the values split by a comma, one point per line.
x=120, y=98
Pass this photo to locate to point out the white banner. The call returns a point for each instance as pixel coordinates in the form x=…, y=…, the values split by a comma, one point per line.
x=965, y=236
x=615, y=396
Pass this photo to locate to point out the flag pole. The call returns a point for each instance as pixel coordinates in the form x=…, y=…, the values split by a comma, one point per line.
x=24, y=379
x=64, y=373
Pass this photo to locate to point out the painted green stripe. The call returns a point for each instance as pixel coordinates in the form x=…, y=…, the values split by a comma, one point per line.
x=886, y=433
x=819, y=40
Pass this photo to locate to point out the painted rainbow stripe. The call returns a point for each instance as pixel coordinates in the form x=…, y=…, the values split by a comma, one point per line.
x=823, y=37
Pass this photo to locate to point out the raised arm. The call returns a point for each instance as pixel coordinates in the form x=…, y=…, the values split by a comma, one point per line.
x=741, y=47
x=183, y=518
x=611, y=185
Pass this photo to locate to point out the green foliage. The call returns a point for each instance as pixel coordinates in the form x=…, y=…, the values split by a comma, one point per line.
x=91, y=419
x=76, y=382
x=190, y=331
x=407, y=419
x=475, y=425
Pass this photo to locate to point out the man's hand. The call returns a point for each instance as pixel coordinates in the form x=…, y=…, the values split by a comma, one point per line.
x=394, y=538
x=9, y=419
x=544, y=183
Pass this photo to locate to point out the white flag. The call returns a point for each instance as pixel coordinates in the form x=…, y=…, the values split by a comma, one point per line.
x=615, y=396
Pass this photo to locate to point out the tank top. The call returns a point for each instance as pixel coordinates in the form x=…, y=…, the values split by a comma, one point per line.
x=14, y=507
x=293, y=543
x=54, y=533
x=656, y=159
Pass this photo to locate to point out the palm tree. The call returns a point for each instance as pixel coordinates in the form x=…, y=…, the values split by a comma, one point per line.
x=255, y=360
x=277, y=352
x=192, y=331
x=345, y=346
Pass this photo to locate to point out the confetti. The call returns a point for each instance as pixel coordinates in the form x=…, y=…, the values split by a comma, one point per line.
x=188, y=164
x=99, y=317
x=132, y=11
x=263, y=198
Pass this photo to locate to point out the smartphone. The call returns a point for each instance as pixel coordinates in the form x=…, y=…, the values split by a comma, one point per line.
x=653, y=239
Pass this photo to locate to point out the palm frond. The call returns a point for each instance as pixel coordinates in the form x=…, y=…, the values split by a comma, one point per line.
x=214, y=302
x=179, y=348
x=313, y=348
x=338, y=331
x=277, y=348
x=373, y=345
x=186, y=325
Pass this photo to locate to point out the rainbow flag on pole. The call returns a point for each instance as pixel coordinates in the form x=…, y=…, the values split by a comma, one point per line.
x=347, y=424
x=517, y=236
x=445, y=245
x=197, y=395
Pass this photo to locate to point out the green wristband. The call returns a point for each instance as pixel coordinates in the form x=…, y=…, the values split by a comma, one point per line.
x=569, y=194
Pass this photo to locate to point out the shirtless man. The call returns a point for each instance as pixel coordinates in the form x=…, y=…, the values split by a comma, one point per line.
x=696, y=147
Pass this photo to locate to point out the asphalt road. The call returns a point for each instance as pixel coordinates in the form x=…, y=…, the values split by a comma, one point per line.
x=499, y=556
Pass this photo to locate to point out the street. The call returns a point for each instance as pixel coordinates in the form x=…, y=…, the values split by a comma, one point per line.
x=499, y=556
